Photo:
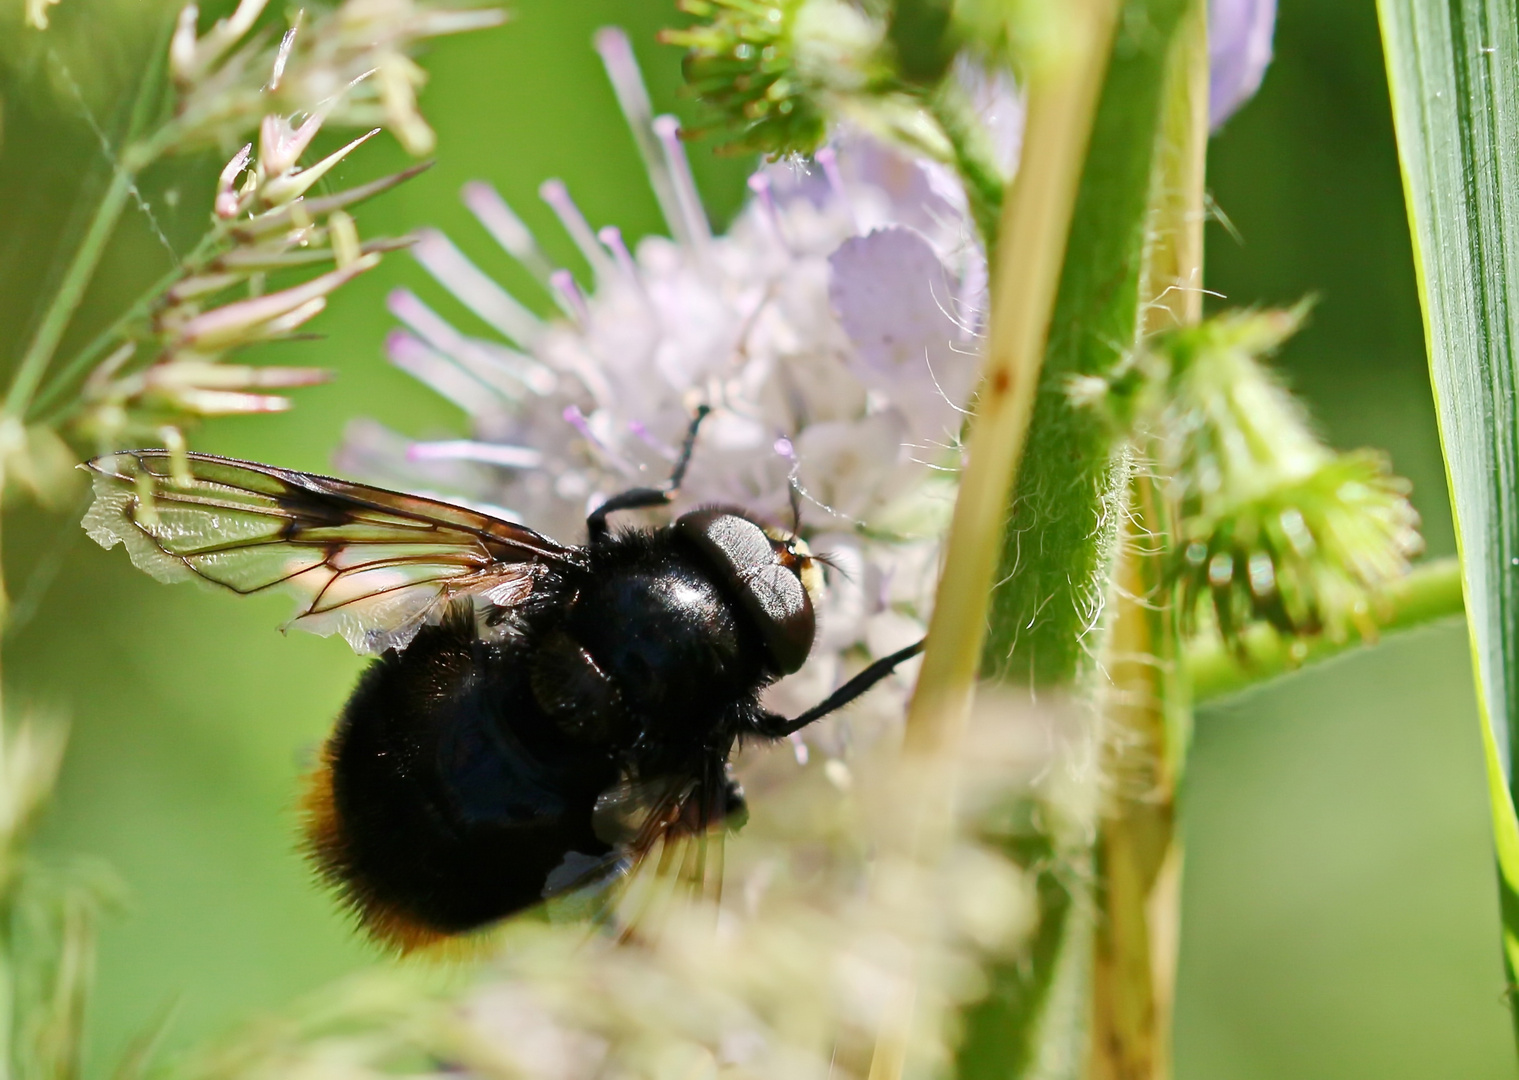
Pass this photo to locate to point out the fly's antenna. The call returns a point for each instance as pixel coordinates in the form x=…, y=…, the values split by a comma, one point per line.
x=686, y=447
x=831, y=561
x=643, y=498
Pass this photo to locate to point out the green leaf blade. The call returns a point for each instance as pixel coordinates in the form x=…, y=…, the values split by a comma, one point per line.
x=1455, y=97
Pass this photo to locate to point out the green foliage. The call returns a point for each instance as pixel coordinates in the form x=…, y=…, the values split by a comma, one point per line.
x=48, y=918
x=1456, y=105
x=924, y=36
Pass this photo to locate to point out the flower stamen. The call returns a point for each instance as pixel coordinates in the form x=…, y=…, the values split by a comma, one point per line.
x=759, y=184
x=507, y=457
x=507, y=229
x=564, y=283
x=829, y=161
x=611, y=237
x=633, y=98
x=558, y=197
x=444, y=374
x=455, y=272
x=667, y=129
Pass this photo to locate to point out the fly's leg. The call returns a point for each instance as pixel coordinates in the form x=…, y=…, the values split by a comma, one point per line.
x=775, y=726
x=643, y=498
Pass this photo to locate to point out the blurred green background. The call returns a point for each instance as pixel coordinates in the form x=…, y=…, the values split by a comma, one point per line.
x=1340, y=915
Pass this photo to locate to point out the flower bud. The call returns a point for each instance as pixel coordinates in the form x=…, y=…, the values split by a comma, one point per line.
x=191, y=387
x=290, y=186
x=399, y=79
x=36, y=460
x=228, y=204
x=1307, y=555
x=343, y=235
x=280, y=145
x=192, y=58
x=763, y=67
x=36, y=13
x=265, y=316
x=175, y=375
x=1271, y=524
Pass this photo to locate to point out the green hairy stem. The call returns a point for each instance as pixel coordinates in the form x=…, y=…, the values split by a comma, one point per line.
x=1062, y=516
x=1033, y=229
x=1055, y=567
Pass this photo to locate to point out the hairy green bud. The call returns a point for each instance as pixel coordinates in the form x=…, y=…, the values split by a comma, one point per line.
x=768, y=68
x=1269, y=523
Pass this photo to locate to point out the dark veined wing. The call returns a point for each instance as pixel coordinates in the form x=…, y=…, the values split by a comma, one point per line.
x=369, y=564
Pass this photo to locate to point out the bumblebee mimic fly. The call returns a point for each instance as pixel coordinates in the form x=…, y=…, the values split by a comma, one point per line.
x=540, y=716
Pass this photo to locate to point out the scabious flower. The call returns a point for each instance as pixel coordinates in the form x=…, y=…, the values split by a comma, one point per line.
x=832, y=330
x=1239, y=51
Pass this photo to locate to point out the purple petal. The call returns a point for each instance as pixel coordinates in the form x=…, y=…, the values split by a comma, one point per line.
x=1239, y=50
x=896, y=303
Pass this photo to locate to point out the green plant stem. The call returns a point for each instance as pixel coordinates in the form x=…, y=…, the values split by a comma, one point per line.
x=8, y=1018
x=1430, y=594
x=1034, y=227
x=7, y=993
x=77, y=366
x=65, y=302
x=1062, y=516
x=136, y=157
x=1145, y=704
x=1061, y=521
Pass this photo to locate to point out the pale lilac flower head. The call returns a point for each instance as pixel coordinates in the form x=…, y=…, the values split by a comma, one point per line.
x=1239, y=51
x=833, y=330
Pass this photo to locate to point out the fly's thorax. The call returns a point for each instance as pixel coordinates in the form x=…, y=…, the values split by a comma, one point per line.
x=666, y=631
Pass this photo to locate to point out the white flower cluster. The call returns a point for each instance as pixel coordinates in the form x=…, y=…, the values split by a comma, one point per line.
x=832, y=330
x=834, y=949
x=837, y=947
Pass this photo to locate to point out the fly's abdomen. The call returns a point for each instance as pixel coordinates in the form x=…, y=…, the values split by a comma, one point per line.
x=447, y=799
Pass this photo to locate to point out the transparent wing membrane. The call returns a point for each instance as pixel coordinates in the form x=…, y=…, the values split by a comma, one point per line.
x=668, y=834
x=371, y=565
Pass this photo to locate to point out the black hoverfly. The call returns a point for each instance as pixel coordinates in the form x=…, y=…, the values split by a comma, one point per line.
x=540, y=715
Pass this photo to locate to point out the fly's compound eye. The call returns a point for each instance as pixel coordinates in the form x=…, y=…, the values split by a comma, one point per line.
x=766, y=576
